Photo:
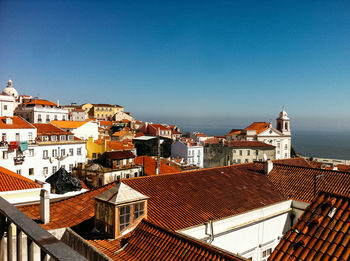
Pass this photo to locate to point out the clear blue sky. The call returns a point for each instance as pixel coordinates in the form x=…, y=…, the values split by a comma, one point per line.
x=223, y=62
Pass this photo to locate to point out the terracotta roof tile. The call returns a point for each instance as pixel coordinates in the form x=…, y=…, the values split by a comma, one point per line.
x=150, y=165
x=68, y=124
x=321, y=233
x=159, y=126
x=297, y=162
x=151, y=242
x=297, y=183
x=39, y=102
x=17, y=123
x=259, y=127
x=120, y=154
x=49, y=129
x=10, y=181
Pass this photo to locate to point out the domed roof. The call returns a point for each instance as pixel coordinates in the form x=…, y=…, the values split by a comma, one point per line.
x=9, y=90
x=284, y=115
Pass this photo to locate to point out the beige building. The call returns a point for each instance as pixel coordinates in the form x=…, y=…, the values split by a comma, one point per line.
x=249, y=151
x=102, y=111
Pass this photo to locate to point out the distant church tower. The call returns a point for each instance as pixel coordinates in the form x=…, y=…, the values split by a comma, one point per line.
x=283, y=123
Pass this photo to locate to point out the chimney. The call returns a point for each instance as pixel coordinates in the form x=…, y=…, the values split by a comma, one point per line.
x=268, y=166
x=44, y=206
x=8, y=121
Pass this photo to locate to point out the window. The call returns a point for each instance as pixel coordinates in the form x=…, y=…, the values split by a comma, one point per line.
x=248, y=152
x=139, y=209
x=53, y=138
x=127, y=176
x=266, y=254
x=78, y=151
x=124, y=217
x=239, y=160
x=63, y=118
x=71, y=152
x=31, y=152
x=45, y=138
x=31, y=171
x=5, y=155
x=30, y=136
x=45, y=171
x=63, y=166
x=3, y=137
x=63, y=152
x=70, y=167
x=94, y=155
x=39, y=117
x=256, y=152
x=55, y=117
x=47, y=118
x=54, y=153
x=70, y=137
x=234, y=151
x=19, y=171
x=54, y=169
x=246, y=160
x=240, y=152
x=17, y=137
x=285, y=146
x=63, y=137
x=5, y=107
x=45, y=154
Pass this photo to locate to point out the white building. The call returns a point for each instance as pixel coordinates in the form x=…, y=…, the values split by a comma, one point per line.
x=7, y=100
x=192, y=153
x=77, y=115
x=38, y=150
x=81, y=129
x=41, y=111
x=280, y=137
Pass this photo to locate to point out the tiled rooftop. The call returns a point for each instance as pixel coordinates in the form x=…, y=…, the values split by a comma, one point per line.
x=249, y=144
x=151, y=242
x=120, y=154
x=150, y=165
x=49, y=129
x=298, y=182
x=297, y=162
x=259, y=127
x=321, y=233
x=17, y=123
x=68, y=124
x=10, y=181
x=40, y=102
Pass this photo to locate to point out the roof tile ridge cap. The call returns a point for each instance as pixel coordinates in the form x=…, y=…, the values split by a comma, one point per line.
x=304, y=167
x=191, y=240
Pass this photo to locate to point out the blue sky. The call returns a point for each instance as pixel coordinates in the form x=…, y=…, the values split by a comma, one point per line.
x=223, y=63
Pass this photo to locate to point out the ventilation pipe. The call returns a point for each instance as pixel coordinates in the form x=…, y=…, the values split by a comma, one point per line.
x=211, y=230
x=44, y=206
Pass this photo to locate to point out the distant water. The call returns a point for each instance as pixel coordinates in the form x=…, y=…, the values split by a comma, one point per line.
x=322, y=144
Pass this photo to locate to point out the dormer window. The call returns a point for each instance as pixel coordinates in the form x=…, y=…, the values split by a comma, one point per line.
x=45, y=138
x=53, y=138
x=119, y=209
x=70, y=137
x=63, y=137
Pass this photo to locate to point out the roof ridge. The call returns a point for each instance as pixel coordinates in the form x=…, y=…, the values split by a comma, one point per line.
x=328, y=170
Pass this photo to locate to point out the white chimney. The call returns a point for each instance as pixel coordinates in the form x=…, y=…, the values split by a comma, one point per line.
x=44, y=206
x=268, y=166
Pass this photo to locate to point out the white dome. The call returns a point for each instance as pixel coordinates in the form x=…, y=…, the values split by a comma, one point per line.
x=284, y=115
x=9, y=90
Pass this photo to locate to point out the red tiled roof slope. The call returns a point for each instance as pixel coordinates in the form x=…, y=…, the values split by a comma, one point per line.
x=68, y=212
x=189, y=198
x=321, y=233
x=10, y=181
x=150, y=242
x=259, y=127
x=49, y=129
x=150, y=166
x=298, y=182
x=297, y=162
x=17, y=123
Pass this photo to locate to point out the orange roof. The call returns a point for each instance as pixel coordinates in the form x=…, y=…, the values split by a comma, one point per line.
x=139, y=134
x=17, y=123
x=234, y=131
x=120, y=133
x=297, y=183
x=78, y=110
x=39, y=102
x=106, y=123
x=212, y=141
x=10, y=181
x=49, y=129
x=119, y=145
x=321, y=233
x=258, y=126
x=159, y=126
x=298, y=161
x=201, y=135
x=178, y=200
x=68, y=124
x=150, y=166
x=151, y=242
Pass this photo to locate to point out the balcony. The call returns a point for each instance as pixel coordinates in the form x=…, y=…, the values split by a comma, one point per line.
x=23, y=239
